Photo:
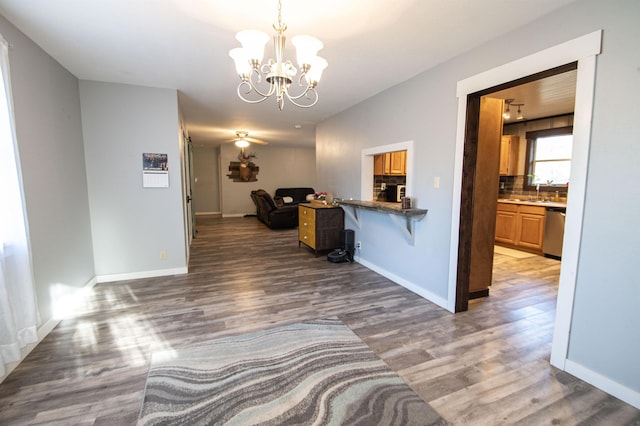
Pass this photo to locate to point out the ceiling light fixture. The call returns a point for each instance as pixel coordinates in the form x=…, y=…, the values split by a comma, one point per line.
x=278, y=74
x=519, y=115
x=507, y=114
x=242, y=142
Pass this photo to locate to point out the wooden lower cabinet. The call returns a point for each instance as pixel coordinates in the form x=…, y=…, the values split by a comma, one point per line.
x=320, y=228
x=521, y=226
x=506, y=223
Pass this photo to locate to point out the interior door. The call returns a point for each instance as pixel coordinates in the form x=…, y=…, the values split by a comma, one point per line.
x=191, y=214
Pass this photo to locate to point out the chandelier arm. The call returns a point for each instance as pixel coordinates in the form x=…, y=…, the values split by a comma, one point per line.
x=253, y=85
x=250, y=101
x=307, y=89
x=310, y=94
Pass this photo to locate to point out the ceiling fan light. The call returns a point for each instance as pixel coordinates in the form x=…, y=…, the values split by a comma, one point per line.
x=241, y=143
x=307, y=48
x=253, y=42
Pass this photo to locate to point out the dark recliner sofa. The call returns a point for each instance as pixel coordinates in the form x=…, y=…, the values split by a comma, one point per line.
x=271, y=215
x=299, y=195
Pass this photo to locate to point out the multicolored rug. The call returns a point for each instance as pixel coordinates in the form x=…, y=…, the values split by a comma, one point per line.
x=313, y=373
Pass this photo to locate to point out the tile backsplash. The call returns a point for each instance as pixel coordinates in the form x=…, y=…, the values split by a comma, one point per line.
x=378, y=180
x=513, y=186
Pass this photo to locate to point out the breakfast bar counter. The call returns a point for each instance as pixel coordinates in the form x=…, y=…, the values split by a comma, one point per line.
x=405, y=218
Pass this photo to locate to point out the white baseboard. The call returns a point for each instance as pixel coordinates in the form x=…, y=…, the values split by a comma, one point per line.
x=143, y=274
x=237, y=214
x=611, y=387
x=208, y=213
x=404, y=283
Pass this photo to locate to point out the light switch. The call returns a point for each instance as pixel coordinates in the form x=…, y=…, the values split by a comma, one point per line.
x=436, y=182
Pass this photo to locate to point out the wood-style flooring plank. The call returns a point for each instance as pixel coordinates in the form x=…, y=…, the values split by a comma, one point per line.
x=485, y=366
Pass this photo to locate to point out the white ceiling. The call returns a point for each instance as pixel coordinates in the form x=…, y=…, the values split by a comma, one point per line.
x=370, y=45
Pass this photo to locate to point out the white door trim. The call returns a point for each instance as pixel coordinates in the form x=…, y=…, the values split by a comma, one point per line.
x=583, y=50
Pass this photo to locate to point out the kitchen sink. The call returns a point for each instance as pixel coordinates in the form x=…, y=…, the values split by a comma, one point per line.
x=517, y=200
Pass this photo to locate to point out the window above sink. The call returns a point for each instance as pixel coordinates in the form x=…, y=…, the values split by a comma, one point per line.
x=548, y=162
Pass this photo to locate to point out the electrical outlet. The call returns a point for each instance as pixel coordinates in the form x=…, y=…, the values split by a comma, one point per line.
x=436, y=182
x=359, y=245
x=383, y=186
x=163, y=254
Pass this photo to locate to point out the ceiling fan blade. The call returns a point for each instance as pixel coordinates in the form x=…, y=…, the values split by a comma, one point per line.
x=258, y=141
x=244, y=135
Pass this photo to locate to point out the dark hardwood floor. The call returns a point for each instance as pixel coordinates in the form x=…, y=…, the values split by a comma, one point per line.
x=486, y=366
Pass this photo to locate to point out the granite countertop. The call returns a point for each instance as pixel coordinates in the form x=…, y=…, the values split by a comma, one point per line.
x=533, y=203
x=384, y=207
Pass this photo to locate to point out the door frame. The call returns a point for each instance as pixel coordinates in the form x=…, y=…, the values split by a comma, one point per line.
x=582, y=50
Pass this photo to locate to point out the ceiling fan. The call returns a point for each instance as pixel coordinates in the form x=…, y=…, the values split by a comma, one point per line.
x=242, y=139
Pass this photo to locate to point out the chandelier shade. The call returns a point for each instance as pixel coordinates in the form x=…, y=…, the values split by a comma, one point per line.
x=315, y=72
x=243, y=65
x=307, y=48
x=259, y=81
x=253, y=42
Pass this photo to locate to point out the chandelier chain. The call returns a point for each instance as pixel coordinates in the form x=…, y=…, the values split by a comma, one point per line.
x=281, y=27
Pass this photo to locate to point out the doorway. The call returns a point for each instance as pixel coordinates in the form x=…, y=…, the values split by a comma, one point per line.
x=583, y=50
x=480, y=188
x=534, y=172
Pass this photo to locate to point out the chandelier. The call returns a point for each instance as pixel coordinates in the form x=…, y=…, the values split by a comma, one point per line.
x=278, y=74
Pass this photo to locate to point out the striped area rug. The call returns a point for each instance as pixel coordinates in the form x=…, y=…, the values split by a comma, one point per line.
x=312, y=373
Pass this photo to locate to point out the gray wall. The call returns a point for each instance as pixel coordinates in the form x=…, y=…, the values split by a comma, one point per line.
x=604, y=335
x=49, y=133
x=130, y=224
x=280, y=167
x=605, y=338
x=206, y=191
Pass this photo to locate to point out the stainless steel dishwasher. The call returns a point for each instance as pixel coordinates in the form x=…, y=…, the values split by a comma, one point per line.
x=554, y=232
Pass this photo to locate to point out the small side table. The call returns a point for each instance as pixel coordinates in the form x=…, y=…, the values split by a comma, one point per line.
x=320, y=227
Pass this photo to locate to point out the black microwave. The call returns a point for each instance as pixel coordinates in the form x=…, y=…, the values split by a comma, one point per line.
x=395, y=193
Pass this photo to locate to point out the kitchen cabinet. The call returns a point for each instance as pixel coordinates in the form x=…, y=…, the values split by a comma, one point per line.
x=506, y=222
x=530, y=227
x=520, y=225
x=320, y=228
x=390, y=164
x=398, y=163
x=509, y=150
x=381, y=164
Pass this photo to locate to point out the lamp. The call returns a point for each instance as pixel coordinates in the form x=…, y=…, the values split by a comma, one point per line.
x=241, y=142
x=278, y=74
x=507, y=114
x=519, y=115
